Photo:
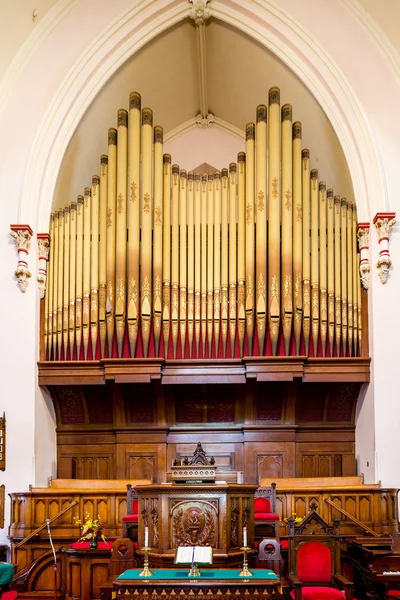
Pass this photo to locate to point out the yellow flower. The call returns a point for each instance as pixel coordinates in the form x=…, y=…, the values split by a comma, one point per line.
x=91, y=528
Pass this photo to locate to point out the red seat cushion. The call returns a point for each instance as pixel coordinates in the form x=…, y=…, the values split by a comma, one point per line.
x=86, y=545
x=395, y=593
x=11, y=595
x=130, y=518
x=314, y=563
x=262, y=505
x=320, y=593
x=284, y=544
x=135, y=507
x=266, y=517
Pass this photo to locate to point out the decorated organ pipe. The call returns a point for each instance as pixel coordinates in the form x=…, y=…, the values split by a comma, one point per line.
x=155, y=262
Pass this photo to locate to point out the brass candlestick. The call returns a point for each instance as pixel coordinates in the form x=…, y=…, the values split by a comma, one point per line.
x=245, y=571
x=146, y=571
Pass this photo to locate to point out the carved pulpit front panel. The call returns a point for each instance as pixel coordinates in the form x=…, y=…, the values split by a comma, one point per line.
x=194, y=523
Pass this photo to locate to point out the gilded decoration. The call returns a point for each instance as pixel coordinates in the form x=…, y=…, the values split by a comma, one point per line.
x=305, y=155
x=135, y=101
x=146, y=203
x=288, y=196
x=249, y=214
x=261, y=113
x=147, y=117
x=120, y=204
x=287, y=112
x=274, y=96
x=275, y=188
x=329, y=195
x=103, y=163
x=287, y=289
x=122, y=118
x=250, y=132
x=109, y=217
x=260, y=203
x=299, y=213
x=297, y=130
x=193, y=524
x=158, y=134
x=314, y=178
x=112, y=137
x=157, y=216
x=133, y=196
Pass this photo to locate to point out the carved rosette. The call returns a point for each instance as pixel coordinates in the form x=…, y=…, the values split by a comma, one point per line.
x=43, y=242
x=199, y=12
x=205, y=122
x=363, y=245
x=22, y=235
x=384, y=223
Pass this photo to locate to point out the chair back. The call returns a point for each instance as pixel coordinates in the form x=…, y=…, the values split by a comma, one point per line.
x=314, y=562
x=122, y=557
x=131, y=497
x=269, y=556
x=262, y=505
x=266, y=493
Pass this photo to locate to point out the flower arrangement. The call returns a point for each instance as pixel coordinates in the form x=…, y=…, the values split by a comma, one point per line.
x=297, y=520
x=92, y=529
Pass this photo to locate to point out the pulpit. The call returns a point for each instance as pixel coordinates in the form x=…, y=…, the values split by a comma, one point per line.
x=189, y=515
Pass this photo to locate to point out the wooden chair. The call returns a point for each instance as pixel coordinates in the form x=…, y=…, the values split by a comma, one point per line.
x=122, y=558
x=265, y=518
x=130, y=521
x=269, y=556
x=314, y=560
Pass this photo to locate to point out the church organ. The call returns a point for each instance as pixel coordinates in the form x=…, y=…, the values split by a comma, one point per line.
x=258, y=259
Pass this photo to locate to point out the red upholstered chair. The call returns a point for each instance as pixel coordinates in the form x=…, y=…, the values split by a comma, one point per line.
x=266, y=521
x=314, y=560
x=130, y=521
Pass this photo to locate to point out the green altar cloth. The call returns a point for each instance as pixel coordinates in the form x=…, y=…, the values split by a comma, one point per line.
x=206, y=574
x=6, y=573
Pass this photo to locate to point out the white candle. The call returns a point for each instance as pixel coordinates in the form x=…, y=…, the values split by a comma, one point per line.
x=146, y=537
x=244, y=536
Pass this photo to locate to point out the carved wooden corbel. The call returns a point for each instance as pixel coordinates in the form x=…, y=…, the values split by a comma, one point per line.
x=384, y=224
x=363, y=244
x=43, y=241
x=22, y=235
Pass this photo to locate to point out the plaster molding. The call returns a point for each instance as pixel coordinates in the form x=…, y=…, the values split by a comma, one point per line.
x=206, y=121
x=363, y=245
x=50, y=20
x=193, y=123
x=22, y=235
x=200, y=12
x=384, y=223
x=262, y=21
x=376, y=32
x=43, y=242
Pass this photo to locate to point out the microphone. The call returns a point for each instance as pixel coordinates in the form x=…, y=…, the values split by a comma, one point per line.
x=47, y=521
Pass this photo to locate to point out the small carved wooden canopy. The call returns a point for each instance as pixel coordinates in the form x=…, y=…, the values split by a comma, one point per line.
x=199, y=457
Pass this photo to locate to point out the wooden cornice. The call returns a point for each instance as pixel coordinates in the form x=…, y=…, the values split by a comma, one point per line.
x=204, y=371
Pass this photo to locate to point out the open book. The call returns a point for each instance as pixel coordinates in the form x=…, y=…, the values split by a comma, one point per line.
x=199, y=555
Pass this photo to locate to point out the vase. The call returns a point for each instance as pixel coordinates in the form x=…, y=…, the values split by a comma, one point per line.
x=94, y=543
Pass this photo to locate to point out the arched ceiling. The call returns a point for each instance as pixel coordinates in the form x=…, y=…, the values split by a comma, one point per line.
x=166, y=72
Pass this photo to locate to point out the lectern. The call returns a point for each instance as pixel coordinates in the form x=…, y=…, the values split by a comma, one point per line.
x=196, y=515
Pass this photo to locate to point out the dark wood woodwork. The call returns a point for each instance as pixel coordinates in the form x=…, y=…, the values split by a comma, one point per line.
x=85, y=571
x=188, y=515
x=375, y=566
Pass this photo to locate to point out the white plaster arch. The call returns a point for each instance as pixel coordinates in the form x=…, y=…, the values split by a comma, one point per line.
x=275, y=28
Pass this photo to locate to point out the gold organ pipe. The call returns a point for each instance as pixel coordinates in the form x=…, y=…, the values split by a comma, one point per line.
x=359, y=301
x=241, y=260
x=49, y=290
x=224, y=259
x=350, y=276
x=217, y=259
x=210, y=260
x=190, y=261
x=175, y=258
x=297, y=235
x=94, y=292
x=355, y=281
x=121, y=223
x=166, y=315
x=305, y=156
x=146, y=241
x=103, y=252
x=250, y=222
x=261, y=225
x=331, y=269
x=86, y=269
x=274, y=209
x=203, y=263
x=55, y=284
x=72, y=278
x=157, y=236
x=182, y=258
x=343, y=219
x=232, y=255
x=60, y=281
x=197, y=260
x=111, y=232
x=314, y=260
x=287, y=226
x=79, y=275
x=338, y=283
x=66, y=278
x=323, y=266
x=133, y=218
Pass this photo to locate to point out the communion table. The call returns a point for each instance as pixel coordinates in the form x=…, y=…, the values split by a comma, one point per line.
x=213, y=584
x=196, y=515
